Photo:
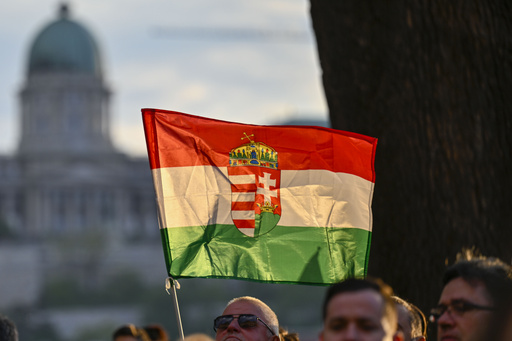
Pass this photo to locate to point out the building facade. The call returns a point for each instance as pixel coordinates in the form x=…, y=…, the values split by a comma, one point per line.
x=66, y=176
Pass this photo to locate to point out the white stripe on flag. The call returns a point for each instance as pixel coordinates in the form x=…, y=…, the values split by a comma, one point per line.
x=198, y=196
x=193, y=196
x=242, y=179
x=247, y=232
x=243, y=215
x=322, y=198
x=244, y=196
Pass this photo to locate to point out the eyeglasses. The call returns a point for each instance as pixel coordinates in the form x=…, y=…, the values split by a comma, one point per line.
x=245, y=321
x=458, y=307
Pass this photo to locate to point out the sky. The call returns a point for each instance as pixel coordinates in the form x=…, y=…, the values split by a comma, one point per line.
x=235, y=60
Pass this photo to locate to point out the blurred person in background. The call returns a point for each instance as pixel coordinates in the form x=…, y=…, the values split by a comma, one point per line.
x=473, y=291
x=285, y=335
x=130, y=332
x=8, y=330
x=411, y=320
x=360, y=310
x=156, y=332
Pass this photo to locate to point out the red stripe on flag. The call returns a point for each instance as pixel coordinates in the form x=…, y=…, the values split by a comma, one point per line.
x=243, y=187
x=176, y=140
x=244, y=224
x=242, y=206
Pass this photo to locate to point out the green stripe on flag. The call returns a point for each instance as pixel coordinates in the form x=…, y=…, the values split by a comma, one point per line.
x=286, y=254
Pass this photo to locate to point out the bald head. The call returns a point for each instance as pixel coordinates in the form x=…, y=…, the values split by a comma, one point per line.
x=266, y=313
x=247, y=319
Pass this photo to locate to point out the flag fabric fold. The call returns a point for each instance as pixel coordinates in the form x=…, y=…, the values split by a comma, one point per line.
x=279, y=204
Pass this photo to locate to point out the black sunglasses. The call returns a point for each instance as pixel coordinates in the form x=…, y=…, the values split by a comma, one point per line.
x=245, y=321
x=459, y=307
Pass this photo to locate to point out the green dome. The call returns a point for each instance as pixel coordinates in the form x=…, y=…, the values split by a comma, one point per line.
x=64, y=45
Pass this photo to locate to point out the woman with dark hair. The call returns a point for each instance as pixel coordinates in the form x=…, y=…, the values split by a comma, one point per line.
x=130, y=332
x=156, y=332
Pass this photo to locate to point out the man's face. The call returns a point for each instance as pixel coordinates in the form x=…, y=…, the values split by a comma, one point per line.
x=468, y=325
x=234, y=332
x=357, y=315
x=404, y=322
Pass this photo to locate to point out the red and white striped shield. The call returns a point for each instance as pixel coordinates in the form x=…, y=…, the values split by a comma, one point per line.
x=255, y=183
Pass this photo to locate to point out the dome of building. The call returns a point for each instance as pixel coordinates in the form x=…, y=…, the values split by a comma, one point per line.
x=64, y=45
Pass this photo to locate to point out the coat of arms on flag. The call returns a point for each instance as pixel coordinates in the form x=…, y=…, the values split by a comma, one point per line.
x=255, y=182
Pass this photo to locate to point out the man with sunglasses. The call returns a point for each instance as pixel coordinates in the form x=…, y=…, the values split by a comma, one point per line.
x=473, y=289
x=247, y=319
x=360, y=310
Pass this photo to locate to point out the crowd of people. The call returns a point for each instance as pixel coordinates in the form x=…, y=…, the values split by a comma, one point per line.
x=475, y=305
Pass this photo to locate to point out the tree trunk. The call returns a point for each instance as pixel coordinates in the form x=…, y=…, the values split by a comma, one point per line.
x=432, y=80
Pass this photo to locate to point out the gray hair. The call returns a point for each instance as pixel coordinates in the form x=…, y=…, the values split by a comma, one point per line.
x=269, y=316
x=416, y=317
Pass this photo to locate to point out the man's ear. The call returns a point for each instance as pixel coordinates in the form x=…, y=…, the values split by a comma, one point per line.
x=398, y=336
x=277, y=338
x=321, y=336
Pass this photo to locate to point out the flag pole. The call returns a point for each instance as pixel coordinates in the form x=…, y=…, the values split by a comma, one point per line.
x=171, y=283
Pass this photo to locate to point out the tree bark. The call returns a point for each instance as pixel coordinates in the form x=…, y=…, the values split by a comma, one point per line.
x=432, y=80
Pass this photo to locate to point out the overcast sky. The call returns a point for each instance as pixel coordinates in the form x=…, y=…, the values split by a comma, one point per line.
x=236, y=60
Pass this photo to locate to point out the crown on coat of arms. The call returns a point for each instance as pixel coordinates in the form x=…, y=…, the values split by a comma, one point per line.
x=253, y=154
x=267, y=207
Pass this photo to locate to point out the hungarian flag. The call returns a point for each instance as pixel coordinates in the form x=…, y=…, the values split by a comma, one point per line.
x=280, y=204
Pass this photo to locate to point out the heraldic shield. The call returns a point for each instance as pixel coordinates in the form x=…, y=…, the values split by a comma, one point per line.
x=255, y=183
